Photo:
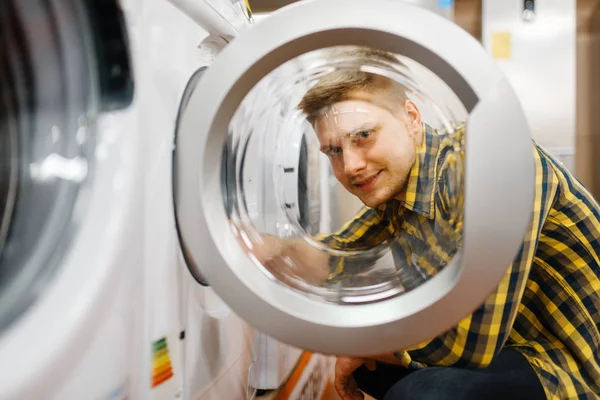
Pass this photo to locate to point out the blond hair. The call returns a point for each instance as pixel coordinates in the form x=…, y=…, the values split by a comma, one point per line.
x=345, y=84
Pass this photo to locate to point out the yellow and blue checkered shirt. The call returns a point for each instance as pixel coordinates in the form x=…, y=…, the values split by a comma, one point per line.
x=547, y=306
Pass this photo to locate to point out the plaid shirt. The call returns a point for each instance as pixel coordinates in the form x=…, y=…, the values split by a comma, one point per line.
x=547, y=306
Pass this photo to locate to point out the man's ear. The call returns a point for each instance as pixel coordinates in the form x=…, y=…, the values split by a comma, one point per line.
x=413, y=116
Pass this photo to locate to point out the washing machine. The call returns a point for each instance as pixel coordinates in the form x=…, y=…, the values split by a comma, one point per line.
x=200, y=348
x=242, y=137
x=71, y=261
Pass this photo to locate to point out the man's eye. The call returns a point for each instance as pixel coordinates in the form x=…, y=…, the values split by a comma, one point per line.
x=364, y=134
x=334, y=151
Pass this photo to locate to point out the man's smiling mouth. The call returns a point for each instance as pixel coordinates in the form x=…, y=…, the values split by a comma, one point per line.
x=366, y=183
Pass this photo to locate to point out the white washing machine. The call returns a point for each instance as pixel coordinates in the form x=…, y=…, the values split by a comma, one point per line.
x=71, y=261
x=197, y=349
x=200, y=349
x=240, y=125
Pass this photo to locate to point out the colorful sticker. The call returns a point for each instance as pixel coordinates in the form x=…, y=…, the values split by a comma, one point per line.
x=162, y=370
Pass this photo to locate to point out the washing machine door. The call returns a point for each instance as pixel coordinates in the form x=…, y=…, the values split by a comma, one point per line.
x=349, y=222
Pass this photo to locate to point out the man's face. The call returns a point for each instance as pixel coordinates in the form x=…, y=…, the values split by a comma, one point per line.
x=371, y=148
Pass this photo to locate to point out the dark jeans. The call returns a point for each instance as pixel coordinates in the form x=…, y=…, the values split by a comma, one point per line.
x=509, y=376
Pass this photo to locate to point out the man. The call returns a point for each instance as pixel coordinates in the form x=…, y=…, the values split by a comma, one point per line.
x=537, y=336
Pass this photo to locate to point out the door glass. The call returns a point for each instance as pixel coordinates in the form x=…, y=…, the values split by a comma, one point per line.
x=46, y=142
x=345, y=175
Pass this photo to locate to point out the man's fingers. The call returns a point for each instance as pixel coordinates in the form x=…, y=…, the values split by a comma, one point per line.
x=342, y=372
x=358, y=395
x=341, y=387
x=342, y=392
x=345, y=385
x=371, y=365
x=352, y=389
x=340, y=382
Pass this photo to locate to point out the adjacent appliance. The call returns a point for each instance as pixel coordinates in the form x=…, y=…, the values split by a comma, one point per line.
x=72, y=317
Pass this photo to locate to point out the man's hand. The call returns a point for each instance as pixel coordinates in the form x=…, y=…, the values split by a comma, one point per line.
x=291, y=256
x=345, y=385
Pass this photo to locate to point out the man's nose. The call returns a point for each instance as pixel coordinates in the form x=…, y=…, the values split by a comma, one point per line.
x=354, y=162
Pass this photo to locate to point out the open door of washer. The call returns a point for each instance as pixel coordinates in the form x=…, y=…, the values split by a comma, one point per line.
x=340, y=175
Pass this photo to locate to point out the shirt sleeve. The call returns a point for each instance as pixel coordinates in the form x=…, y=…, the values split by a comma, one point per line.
x=366, y=230
x=479, y=337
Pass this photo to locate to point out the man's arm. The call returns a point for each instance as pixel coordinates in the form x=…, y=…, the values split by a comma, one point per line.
x=295, y=256
x=479, y=337
x=364, y=231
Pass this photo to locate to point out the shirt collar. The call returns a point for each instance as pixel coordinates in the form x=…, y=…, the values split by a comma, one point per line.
x=420, y=188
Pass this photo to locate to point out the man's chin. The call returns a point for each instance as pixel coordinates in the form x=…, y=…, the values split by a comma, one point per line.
x=372, y=201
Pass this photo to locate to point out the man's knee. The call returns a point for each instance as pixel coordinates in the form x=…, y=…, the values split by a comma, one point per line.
x=440, y=383
x=509, y=377
x=460, y=384
x=420, y=385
